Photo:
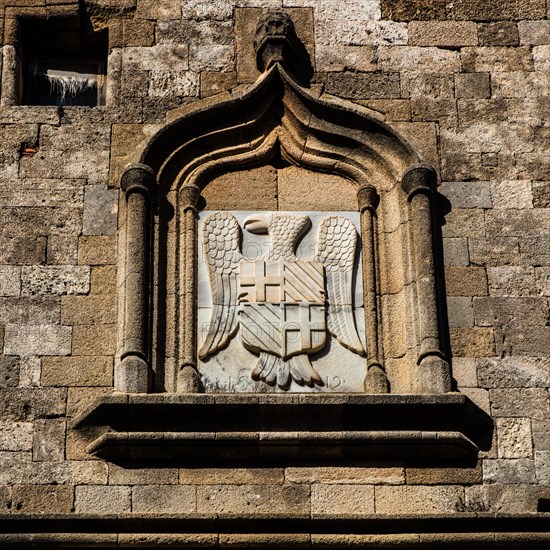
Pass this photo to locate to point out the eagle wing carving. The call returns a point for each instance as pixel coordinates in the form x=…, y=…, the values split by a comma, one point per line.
x=221, y=237
x=336, y=250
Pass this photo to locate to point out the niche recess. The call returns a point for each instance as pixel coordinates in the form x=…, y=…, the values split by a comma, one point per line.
x=58, y=61
x=406, y=406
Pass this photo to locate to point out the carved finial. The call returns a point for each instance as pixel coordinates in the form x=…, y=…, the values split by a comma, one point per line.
x=275, y=38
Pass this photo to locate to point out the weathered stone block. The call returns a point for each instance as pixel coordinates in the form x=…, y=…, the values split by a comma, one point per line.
x=162, y=57
x=26, y=404
x=509, y=471
x=164, y=499
x=522, y=402
x=456, y=251
x=509, y=311
x=473, y=342
x=465, y=372
x=334, y=499
x=93, y=340
x=94, y=499
x=427, y=86
x=254, y=499
x=534, y=33
x=49, y=440
x=137, y=32
x=542, y=276
x=298, y=189
x=231, y=476
x=121, y=475
x=519, y=84
x=10, y=280
x=97, y=250
x=476, y=111
x=425, y=59
x=511, y=281
x=88, y=310
x=57, y=280
x=30, y=310
x=500, y=33
x=460, y=311
x=540, y=57
x=464, y=222
x=475, y=194
x=466, y=281
x=23, y=250
x=442, y=33
x=62, y=249
x=243, y=190
x=15, y=436
x=518, y=223
x=444, y=476
x=494, y=251
x=514, y=372
x=361, y=86
x=473, y=85
x=514, y=438
x=511, y=194
x=506, y=499
x=43, y=499
x=100, y=210
x=214, y=82
x=103, y=280
x=167, y=84
x=9, y=371
x=541, y=194
x=340, y=57
x=542, y=466
x=496, y=10
x=37, y=340
x=409, y=10
x=535, y=250
x=417, y=499
x=77, y=371
x=349, y=475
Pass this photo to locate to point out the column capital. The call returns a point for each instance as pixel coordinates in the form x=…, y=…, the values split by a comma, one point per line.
x=419, y=178
x=368, y=198
x=189, y=196
x=138, y=178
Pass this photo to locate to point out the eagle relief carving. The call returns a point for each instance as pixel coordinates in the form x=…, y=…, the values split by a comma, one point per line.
x=283, y=303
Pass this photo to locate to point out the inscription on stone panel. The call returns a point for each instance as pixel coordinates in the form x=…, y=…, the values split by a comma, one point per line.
x=279, y=303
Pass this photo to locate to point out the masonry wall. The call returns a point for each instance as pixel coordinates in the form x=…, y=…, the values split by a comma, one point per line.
x=467, y=83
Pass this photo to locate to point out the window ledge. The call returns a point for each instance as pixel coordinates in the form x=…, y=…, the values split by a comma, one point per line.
x=240, y=428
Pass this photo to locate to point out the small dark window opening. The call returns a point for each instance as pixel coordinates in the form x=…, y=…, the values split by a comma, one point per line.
x=63, y=64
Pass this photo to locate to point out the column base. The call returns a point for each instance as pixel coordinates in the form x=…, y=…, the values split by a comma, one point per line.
x=376, y=380
x=132, y=375
x=188, y=380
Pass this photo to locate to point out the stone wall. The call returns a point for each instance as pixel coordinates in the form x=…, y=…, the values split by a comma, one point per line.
x=466, y=83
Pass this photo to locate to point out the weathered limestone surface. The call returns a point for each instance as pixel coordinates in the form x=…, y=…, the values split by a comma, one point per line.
x=466, y=82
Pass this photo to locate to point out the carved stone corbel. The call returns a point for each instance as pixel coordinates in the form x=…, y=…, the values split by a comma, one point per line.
x=433, y=372
x=375, y=380
x=274, y=39
x=188, y=378
x=133, y=374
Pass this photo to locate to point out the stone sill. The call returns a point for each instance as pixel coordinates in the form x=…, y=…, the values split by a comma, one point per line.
x=373, y=531
x=297, y=428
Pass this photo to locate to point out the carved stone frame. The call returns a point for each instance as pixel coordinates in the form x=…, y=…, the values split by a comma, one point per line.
x=277, y=117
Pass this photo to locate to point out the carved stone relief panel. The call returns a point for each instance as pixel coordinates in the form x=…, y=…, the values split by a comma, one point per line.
x=280, y=301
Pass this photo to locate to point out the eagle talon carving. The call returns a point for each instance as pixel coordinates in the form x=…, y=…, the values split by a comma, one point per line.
x=284, y=305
